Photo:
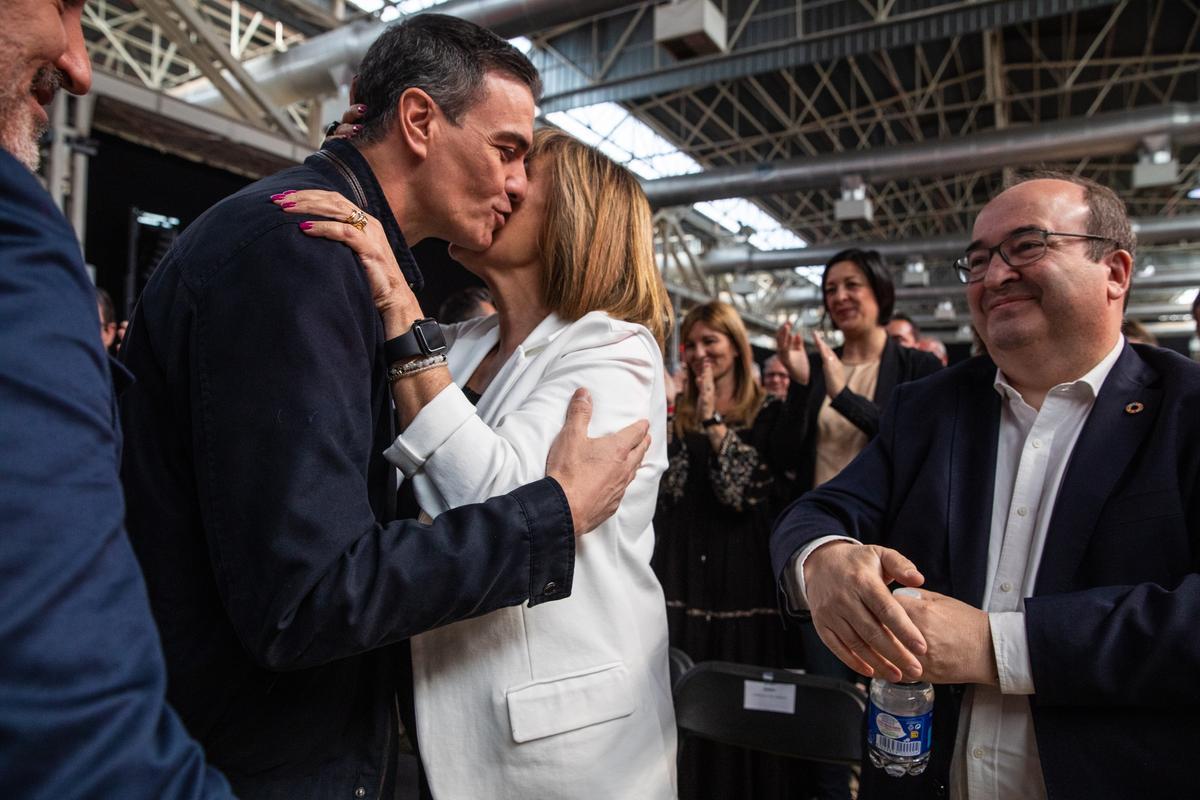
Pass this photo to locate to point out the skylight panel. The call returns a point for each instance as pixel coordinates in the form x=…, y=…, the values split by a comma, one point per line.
x=629, y=141
x=735, y=213
x=394, y=11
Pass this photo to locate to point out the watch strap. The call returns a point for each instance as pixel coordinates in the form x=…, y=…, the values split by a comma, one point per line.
x=424, y=338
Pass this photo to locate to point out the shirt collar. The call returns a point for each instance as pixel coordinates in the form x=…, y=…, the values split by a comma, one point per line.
x=1090, y=382
x=338, y=157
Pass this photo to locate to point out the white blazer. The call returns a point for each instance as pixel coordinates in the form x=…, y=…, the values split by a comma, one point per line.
x=571, y=698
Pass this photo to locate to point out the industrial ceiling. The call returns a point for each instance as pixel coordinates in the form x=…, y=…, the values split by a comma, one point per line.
x=880, y=122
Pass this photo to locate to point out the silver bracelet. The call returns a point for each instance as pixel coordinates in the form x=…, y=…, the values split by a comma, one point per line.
x=398, y=371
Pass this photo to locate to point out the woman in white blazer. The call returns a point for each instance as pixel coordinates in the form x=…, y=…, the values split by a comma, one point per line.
x=569, y=699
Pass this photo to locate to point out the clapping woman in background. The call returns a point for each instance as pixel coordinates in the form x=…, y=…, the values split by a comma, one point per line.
x=733, y=452
x=842, y=392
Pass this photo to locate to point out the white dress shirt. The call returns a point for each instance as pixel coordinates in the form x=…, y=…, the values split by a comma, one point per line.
x=996, y=752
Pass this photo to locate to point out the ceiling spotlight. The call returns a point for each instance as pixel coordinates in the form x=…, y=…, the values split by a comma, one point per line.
x=914, y=272
x=1155, y=165
x=854, y=203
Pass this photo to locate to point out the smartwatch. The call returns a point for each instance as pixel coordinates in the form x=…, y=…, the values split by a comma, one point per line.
x=424, y=338
x=715, y=419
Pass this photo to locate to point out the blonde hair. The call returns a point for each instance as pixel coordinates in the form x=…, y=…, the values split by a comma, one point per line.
x=748, y=396
x=597, y=242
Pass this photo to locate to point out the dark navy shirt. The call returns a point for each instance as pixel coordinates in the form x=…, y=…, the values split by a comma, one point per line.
x=262, y=508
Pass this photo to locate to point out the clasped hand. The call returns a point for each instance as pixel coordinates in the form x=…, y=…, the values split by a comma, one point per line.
x=915, y=634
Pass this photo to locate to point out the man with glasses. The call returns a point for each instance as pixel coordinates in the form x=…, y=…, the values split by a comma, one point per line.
x=775, y=379
x=1045, y=500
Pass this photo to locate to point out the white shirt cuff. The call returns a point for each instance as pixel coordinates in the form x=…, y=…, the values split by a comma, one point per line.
x=1012, y=652
x=793, y=576
x=433, y=425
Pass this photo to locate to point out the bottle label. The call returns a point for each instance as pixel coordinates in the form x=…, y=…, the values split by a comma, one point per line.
x=907, y=737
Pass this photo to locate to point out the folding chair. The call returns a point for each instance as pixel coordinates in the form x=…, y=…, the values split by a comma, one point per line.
x=679, y=662
x=772, y=710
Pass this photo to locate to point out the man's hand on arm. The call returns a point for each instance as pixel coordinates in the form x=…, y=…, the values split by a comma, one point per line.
x=958, y=638
x=594, y=473
x=854, y=612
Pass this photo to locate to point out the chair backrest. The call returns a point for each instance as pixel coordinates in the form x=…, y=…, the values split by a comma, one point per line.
x=680, y=662
x=773, y=710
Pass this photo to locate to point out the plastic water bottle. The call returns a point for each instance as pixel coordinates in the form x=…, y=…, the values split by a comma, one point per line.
x=900, y=726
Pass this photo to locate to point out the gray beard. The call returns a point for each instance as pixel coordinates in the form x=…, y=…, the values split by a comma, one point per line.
x=20, y=130
x=20, y=136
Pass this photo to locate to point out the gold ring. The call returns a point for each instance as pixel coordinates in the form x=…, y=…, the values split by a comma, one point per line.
x=358, y=219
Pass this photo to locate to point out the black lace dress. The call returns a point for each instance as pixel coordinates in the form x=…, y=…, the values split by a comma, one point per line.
x=712, y=526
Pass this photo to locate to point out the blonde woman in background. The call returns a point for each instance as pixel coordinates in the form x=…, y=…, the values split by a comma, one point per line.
x=734, y=453
x=571, y=698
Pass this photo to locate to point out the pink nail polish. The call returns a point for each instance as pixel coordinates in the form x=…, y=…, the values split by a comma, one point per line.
x=305, y=226
x=361, y=109
x=358, y=128
x=287, y=205
x=277, y=197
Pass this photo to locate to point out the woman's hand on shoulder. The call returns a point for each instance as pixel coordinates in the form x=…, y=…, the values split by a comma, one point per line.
x=347, y=127
x=346, y=223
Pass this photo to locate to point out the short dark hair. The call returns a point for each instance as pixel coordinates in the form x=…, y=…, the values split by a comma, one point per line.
x=1196, y=306
x=902, y=317
x=878, y=278
x=1107, y=216
x=463, y=304
x=446, y=57
x=108, y=312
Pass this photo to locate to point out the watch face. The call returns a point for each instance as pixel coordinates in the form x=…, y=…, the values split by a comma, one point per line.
x=429, y=336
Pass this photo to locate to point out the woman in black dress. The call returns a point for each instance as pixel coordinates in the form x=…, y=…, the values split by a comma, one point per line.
x=734, y=453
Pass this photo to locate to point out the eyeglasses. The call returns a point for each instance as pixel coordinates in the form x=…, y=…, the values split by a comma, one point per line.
x=1019, y=250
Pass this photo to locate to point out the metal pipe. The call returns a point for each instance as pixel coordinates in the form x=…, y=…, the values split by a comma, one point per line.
x=1101, y=134
x=1150, y=311
x=800, y=296
x=1149, y=230
x=80, y=160
x=320, y=65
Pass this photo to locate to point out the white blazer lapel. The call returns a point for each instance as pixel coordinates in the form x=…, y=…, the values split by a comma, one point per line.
x=498, y=399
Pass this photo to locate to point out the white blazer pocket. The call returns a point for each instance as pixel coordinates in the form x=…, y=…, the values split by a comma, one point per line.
x=568, y=702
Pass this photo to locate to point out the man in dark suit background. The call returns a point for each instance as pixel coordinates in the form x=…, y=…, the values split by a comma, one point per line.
x=82, y=680
x=1047, y=502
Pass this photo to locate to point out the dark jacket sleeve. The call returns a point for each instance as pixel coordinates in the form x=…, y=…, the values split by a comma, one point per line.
x=783, y=436
x=854, y=503
x=82, y=708
x=864, y=412
x=287, y=376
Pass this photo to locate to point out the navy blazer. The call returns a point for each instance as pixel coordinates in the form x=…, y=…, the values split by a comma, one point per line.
x=82, y=680
x=263, y=510
x=1112, y=623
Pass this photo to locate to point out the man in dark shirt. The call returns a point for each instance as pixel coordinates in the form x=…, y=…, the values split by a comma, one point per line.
x=82, y=680
x=260, y=503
